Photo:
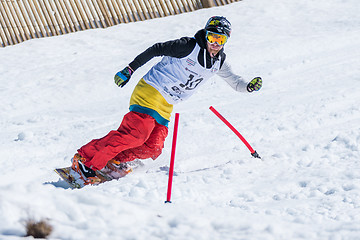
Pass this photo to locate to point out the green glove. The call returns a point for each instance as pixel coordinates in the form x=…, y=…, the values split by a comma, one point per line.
x=255, y=84
x=121, y=78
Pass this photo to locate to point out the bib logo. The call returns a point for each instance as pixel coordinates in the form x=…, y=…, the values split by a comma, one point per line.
x=190, y=62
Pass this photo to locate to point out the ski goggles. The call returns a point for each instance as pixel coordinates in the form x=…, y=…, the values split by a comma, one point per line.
x=212, y=37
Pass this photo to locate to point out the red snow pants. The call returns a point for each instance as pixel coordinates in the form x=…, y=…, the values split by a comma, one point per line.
x=138, y=137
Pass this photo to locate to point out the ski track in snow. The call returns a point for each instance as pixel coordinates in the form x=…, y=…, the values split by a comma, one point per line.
x=57, y=94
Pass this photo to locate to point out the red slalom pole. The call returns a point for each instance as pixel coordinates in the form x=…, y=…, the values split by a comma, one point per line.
x=253, y=152
x=172, y=159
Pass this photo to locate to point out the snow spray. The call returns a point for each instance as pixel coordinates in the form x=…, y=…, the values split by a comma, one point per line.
x=172, y=159
x=253, y=152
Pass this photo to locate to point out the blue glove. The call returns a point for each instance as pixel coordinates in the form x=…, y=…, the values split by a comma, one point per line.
x=255, y=84
x=121, y=78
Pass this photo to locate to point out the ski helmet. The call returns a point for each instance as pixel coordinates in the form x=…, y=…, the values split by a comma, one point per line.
x=219, y=24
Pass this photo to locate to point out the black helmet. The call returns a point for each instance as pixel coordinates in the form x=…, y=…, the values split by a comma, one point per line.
x=218, y=24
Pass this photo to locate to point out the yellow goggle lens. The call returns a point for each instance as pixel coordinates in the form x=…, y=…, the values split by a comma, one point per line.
x=220, y=39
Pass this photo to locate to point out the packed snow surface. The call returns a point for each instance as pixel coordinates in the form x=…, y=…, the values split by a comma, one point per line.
x=58, y=93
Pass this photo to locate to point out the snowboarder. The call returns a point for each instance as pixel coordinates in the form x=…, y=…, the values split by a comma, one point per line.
x=186, y=64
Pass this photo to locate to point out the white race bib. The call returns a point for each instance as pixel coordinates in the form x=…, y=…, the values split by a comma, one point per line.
x=177, y=78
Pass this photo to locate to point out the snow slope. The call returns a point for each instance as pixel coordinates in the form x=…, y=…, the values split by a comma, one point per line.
x=58, y=93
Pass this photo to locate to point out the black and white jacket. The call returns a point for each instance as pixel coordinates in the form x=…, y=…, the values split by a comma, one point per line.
x=183, y=47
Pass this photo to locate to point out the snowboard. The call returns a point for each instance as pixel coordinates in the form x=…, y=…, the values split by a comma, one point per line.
x=108, y=173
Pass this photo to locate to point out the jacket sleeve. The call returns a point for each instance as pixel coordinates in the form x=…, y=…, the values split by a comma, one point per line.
x=235, y=81
x=178, y=48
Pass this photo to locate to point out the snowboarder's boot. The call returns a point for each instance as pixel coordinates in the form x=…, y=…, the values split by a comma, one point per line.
x=116, y=166
x=86, y=174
